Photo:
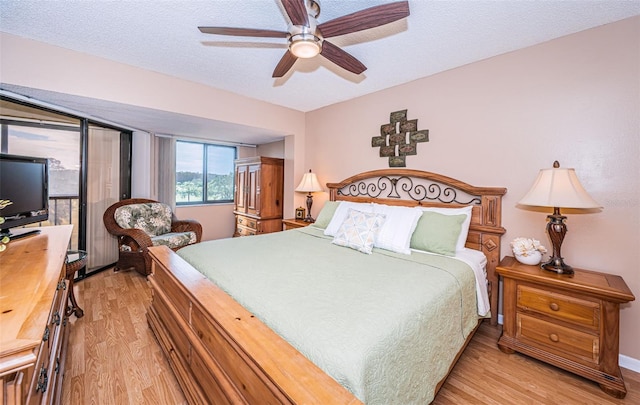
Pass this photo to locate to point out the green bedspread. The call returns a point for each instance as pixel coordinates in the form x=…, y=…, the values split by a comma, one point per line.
x=386, y=326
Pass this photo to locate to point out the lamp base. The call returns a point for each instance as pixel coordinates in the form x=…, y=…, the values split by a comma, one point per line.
x=557, y=265
x=309, y=218
x=557, y=229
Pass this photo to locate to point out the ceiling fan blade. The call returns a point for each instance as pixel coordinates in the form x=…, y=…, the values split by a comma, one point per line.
x=288, y=59
x=365, y=19
x=243, y=32
x=341, y=58
x=297, y=12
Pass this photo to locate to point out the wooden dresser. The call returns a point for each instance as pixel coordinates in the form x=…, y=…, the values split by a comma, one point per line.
x=259, y=194
x=33, y=325
x=571, y=322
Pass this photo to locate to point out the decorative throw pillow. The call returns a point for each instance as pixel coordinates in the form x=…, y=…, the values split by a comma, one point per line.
x=358, y=231
x=399, y=224
x=437, y=233
x=326, y=213
x=341, y=213
x=152, y=218
x=464, y=230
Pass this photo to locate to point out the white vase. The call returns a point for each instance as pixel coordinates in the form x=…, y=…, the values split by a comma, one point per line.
x=531, y=258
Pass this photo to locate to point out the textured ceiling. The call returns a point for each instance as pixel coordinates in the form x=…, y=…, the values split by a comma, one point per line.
x=162, y=36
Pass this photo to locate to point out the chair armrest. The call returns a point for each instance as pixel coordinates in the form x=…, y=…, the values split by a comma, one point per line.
x=187, y=225
x=137, y=237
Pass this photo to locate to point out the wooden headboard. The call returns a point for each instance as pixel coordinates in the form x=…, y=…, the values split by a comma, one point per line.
x=419, y=188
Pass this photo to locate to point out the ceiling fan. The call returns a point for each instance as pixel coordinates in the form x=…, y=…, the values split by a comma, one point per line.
x=306, y=38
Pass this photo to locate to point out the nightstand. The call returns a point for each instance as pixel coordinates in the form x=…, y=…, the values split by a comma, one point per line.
x=571, y=322
x=293, y=223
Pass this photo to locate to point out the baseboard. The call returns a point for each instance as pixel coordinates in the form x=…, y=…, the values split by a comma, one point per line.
x=624, y=361
x=629, y=363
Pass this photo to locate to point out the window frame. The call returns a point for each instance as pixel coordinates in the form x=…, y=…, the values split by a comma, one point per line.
x=205, y=158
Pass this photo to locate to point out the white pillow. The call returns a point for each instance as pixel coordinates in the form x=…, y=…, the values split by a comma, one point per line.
x=464, y=231
x=359, y=230
x=399, y=224
x=341, y=214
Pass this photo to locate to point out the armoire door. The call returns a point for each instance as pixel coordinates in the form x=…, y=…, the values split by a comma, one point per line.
x=253, y=190
x=241, y=190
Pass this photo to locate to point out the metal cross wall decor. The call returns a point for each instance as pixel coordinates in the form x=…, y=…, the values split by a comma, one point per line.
x=398, y=139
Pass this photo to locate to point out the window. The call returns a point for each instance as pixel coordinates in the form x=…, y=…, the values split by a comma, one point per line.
x=204, y=173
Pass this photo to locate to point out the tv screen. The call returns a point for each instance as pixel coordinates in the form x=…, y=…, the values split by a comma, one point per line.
x=24, y=182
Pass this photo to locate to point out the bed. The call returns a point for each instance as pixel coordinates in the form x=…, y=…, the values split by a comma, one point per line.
x=293, y=318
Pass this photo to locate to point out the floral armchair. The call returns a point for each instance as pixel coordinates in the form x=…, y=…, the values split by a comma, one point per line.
x=139, y=224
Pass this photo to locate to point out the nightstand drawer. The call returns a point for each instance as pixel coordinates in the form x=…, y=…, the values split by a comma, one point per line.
x=559, y=306
x=568, y=343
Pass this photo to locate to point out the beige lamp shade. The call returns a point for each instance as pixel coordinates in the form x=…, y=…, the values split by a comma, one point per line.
x=309, y=183
x=558, y=187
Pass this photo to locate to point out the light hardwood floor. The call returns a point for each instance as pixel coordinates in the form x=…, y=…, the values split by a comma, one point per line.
x=113, y=358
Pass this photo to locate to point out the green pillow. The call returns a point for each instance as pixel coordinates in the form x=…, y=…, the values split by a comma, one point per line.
x=326, y=213
x=437, y=233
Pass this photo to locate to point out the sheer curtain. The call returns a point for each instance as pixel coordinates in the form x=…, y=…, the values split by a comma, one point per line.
x=103, y=189
x=163, y=167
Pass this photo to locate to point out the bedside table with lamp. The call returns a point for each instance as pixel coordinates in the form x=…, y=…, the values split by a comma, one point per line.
x=566, y=317
x=293, y=223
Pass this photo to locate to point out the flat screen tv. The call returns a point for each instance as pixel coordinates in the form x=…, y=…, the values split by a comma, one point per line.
x=23, y=181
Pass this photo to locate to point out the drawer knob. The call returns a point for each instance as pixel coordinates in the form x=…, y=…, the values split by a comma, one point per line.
x=554, y=306
x=554, y=338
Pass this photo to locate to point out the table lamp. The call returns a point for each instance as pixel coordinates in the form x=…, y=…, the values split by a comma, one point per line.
x=558, y=188
x=309, y=184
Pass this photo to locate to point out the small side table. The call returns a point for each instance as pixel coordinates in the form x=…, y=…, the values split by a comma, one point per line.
x=571, y=322
x=292, y=223
x=76, y=260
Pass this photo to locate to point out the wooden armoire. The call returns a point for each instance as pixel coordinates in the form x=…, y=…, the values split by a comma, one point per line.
x=259, y=194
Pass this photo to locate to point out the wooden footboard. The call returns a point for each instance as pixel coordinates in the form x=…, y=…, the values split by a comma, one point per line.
x=219, y=352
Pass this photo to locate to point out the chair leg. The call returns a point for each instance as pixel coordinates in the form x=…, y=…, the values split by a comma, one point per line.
x=128, y=261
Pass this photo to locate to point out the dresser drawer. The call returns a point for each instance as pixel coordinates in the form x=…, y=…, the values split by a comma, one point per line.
x=247, y=222
x=244, y=231
x=559, y=306
x=568, y=343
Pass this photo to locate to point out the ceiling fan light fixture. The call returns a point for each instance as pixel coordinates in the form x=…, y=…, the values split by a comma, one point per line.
x=304, y=45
